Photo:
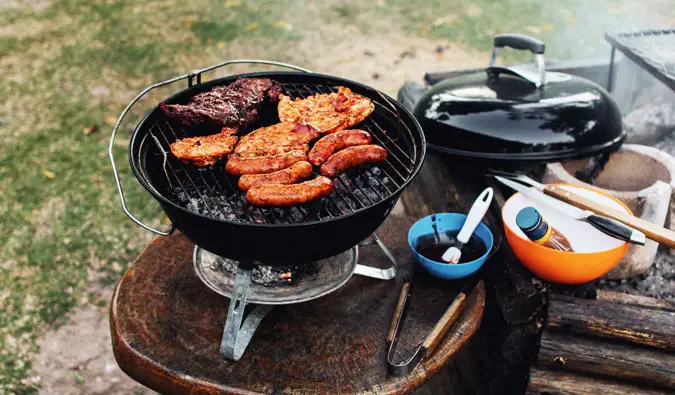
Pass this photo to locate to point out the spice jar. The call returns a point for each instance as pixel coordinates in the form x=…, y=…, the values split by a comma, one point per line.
x=530, y=221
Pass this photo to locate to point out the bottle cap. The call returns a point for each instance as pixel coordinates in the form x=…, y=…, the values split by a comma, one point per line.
x=529, y=221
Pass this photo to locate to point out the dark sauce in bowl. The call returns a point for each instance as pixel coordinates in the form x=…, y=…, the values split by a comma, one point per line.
x=433, y=246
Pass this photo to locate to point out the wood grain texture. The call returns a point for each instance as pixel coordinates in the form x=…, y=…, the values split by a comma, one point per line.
x=443, y=326
x=166, y=328
x=559, y=383
x=635, y=300
x=512, y=323
x=615, y=361
x=621, y=322
x=652, y=231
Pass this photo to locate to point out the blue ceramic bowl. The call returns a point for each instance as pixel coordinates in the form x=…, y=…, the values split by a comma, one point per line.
x=448, y=222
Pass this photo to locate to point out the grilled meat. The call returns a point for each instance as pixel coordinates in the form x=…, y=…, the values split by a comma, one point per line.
x=298, y=171
x=326, y=112
x=287, y=195
x=328, y=144
x=352, y=157
x=238, y=165
x=276, y=139
x=205, y=150
x=234, y=105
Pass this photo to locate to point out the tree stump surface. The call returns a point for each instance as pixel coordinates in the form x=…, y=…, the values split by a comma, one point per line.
x=167, y=326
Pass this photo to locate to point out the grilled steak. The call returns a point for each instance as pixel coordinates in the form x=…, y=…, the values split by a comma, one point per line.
x=235, y=105
x=276, y=139
x=205, y=150
x=326, y=112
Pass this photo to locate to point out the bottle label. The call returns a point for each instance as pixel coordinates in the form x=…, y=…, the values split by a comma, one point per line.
x=546, y=235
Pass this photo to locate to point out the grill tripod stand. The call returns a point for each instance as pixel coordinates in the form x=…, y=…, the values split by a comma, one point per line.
x=240, y=327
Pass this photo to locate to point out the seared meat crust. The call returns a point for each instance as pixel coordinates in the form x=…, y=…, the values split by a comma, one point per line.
x=276, y=139
x=205, y=150
x=352, y=157
x=237, y=165
x=288, y=195
x=235, y=105
x=298, y=171
x=326, y=112
x=328, y=144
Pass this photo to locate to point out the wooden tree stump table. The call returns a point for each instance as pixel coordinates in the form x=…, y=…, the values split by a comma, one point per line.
x=167, y=325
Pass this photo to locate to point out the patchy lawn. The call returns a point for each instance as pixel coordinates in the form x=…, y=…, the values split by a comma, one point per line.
x=69, y=68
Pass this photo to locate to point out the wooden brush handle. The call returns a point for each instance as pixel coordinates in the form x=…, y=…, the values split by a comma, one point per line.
x=652, y=231
x=400, y=307
x=444, y=324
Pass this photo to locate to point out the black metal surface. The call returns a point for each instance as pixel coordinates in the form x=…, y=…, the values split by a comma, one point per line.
x=651, y=49
x=506, y=118
x=206, y=205
x=519, y=41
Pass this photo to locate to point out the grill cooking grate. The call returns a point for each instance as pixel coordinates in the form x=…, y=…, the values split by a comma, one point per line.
x=654, y=50
x=210, y=191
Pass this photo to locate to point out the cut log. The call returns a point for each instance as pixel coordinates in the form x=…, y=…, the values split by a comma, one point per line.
x=602, y=318
x=636, y=300
x=556, y=382
x=622, y=361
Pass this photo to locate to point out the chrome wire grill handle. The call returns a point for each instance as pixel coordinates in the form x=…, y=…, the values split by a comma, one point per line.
x=190, y=76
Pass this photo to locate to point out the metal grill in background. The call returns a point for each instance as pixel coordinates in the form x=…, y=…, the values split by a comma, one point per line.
x=653, y=50
x=212, y=192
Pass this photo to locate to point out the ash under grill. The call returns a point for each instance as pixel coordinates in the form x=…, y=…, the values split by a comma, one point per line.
x=211, y=192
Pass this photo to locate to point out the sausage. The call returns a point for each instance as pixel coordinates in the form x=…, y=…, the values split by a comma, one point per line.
x=238, y=165
x=352, y=157
x=328, y=144
x=287, y=195
x=298, y=171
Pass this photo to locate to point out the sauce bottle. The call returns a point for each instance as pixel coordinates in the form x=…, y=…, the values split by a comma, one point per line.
x=539, y=231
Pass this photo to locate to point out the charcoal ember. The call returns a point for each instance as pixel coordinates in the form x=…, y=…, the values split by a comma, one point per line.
x=235, y=105
x=269, y=276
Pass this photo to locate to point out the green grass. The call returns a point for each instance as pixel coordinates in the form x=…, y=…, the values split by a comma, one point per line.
x=78, y=63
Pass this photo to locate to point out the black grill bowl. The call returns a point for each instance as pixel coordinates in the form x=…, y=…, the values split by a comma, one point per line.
x=223, y=223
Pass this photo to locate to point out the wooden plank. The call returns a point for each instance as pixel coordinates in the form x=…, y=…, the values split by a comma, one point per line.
x=616, y=361
x=636, y=300
x=602, y=318
x=166, y=328
x=561, y=383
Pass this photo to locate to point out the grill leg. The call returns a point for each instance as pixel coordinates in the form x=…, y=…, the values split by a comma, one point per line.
x=374, y=272
x=237, y=336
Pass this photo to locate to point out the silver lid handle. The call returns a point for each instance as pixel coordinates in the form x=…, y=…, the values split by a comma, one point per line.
x=522, y=42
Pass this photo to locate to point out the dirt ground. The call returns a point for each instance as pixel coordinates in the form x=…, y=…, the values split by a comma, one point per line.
x=77, y=358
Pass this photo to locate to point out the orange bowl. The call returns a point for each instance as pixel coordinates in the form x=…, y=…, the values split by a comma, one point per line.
x=595, y=253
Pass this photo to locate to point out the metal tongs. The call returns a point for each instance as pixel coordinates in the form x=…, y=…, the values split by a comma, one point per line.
x=428, y=346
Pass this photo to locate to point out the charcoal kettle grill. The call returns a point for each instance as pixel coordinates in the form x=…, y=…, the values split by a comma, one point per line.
x=210, y=210
x=519, y=114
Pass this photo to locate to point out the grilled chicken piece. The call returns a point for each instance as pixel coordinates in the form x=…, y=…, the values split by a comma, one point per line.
x=298, y=171
x=275, y=195
x=352, y=157
x=326, y=112
x=328, y=144
x=205, y=150
x=276, y=139
x=235, y=105
x=238, y=165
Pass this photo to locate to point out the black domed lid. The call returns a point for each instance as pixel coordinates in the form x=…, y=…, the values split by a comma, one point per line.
x=511, y=114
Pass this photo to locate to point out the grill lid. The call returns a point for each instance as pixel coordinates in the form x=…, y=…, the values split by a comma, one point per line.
x=517, y=113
